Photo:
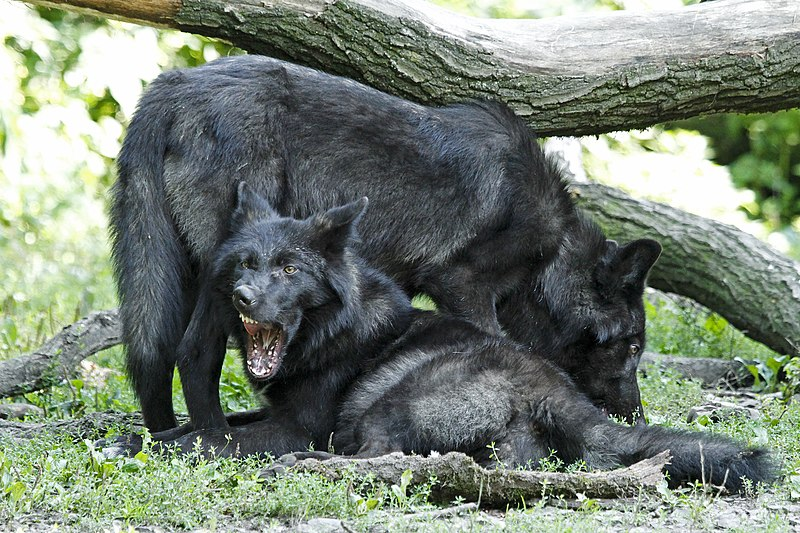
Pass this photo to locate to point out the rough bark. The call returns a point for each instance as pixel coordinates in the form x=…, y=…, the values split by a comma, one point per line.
x=577, y=75
x=57, y=358
x=457, y=475
x=755, y=288
x=90, y=426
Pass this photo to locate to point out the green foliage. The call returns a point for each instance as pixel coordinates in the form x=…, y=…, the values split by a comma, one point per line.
x=763, y=155
x=679, y=326
x=779, y=373
x=81, y=395
x=68, y=85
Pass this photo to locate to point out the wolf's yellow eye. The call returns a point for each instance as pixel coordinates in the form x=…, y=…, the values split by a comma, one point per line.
x=245, y=264
x=290, y=269
x=634, y=350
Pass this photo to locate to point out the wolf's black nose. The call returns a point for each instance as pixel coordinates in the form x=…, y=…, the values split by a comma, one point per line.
x=244, y=297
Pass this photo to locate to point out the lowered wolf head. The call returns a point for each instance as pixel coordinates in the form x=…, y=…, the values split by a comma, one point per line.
x=603, y=324
x=276, y=270
x=587, y=316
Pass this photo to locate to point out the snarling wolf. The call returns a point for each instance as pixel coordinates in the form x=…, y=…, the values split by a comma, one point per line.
x=307, y=315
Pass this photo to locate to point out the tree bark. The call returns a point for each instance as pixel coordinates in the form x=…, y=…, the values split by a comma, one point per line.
x=579, y=75
x=744, y=280
x=90, y=426
x=458, y=476
x=57, y=358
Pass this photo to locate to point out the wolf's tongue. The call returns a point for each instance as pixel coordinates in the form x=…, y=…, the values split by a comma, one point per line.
x=251, y=328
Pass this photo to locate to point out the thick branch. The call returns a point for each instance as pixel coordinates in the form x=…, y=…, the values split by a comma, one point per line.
x=58, y=357
x=744, y=280
x=578, y=75
x=90, y=426
x=457, y=475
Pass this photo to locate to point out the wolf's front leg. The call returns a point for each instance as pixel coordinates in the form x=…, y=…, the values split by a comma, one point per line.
x=200, y=357
x=267, y=437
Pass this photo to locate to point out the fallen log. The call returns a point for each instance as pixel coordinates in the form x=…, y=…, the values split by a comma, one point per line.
x=455, y=475
x=58, y=358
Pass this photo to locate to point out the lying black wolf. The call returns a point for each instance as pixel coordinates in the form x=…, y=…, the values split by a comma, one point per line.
x=310, y=316
x=450, y=387
x=466, y=208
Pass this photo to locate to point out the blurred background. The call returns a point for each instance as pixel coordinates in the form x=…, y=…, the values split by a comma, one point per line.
x=69, y=85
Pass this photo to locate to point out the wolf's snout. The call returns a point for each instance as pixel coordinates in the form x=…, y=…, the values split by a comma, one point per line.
x=244, y=297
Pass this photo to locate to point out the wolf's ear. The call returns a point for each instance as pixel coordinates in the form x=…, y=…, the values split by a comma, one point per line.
x=625, y=268
x=335, y=228
x=251, y=206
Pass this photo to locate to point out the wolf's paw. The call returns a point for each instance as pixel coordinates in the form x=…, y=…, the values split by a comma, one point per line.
x=124, y=446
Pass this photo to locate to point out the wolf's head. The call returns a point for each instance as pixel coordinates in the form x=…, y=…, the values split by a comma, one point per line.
x=586, y=315
x=276, y=269
x=602, y=323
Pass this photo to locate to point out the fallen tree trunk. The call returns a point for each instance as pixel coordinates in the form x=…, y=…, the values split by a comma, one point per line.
x=755, y=288
x=58, y=358
x=578, y=75
x=458, y=476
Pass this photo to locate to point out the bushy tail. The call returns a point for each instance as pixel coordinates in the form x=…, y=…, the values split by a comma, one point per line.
x=696, y=456
x=150, y=264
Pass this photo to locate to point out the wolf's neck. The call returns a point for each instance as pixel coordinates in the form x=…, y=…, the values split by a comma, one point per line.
x=546, y=312
x=365, y=317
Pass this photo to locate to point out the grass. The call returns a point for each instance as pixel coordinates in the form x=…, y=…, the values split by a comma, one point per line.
x=54, y=479
x=677, y=325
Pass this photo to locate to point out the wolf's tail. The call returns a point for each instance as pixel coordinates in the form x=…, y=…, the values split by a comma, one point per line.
x=150, y=264
x=696, y=456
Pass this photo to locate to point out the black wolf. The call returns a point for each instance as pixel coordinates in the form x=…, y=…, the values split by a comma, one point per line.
x=466, y=208
x=307, y=315
x=447, y=386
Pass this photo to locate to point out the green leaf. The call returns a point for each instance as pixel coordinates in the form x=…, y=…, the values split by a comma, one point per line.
x=15, y=491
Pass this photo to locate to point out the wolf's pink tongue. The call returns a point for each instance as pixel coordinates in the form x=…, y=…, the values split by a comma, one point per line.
x=252, y=329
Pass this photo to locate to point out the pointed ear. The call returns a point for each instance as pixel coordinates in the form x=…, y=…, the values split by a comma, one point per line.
x=627, y=267
x=251, y=206
x=335, y=228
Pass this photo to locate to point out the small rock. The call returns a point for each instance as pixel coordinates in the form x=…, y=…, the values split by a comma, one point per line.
x=321, y=525
x=717, y=411
x=19, y=410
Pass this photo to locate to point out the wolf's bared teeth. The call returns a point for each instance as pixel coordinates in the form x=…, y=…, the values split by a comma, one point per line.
x=247, y=320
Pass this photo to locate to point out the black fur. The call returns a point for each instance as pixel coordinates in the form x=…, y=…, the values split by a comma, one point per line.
x=450, y=387
x=466, y=208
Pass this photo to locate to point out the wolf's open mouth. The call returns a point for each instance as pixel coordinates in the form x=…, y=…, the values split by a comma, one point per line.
x=265, y=343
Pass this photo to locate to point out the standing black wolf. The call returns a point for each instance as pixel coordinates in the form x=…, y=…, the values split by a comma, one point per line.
x=466, y=208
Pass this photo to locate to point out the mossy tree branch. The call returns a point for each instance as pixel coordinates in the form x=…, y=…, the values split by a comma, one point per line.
x=578, y=75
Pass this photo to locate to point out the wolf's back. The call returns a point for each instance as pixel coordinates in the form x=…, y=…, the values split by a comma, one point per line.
x=150, y=263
